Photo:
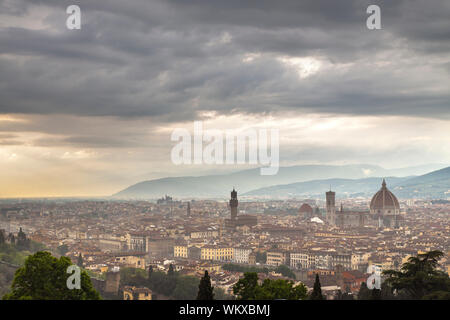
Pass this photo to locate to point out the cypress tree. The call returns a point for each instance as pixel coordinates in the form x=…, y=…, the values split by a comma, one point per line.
x=364, y=292
x=205, y=290
x=12, y=239
x=316, y=294
x=150, y=271
x=170, y=272
x=22, y=241
x=80, y=260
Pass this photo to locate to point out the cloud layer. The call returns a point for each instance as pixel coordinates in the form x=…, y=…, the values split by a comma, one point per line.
x=70, y=99
x=175, y=58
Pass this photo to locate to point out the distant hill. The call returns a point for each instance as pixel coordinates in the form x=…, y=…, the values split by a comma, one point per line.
x=216, y=186
x=317, y=188
x=433, y=185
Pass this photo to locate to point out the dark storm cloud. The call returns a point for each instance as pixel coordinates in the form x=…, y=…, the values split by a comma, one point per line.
x=172, y=59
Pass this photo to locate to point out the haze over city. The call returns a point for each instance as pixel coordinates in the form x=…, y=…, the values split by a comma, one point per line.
x=244, y=151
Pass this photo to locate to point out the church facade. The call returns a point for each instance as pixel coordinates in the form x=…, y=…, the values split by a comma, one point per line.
x=384, y=211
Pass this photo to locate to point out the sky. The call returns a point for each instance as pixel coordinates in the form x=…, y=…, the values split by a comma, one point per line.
x=88, y=112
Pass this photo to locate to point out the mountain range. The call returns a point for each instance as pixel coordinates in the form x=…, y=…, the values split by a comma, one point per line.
x=302, y=181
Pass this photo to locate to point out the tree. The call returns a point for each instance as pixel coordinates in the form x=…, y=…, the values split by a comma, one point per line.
x=281, y=289
x=186, y=288
x=316, y=294
x=364, y=292
x=150, y=272
x=438, y=295
x=386, y=292
x=171, y=272
x=133, y=277
x=22, y=241
x=80, y=260
x=44, y=277
x=2, y=237
x=248, y=288
x=12, y=239
x=419, y=278
x=220, y=294
x=285, y=271
x=205, y=290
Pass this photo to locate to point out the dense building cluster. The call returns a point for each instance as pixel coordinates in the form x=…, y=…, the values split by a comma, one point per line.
x=309, y=236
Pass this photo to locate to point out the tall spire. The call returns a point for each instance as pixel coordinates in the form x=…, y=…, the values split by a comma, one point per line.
x=383, y=185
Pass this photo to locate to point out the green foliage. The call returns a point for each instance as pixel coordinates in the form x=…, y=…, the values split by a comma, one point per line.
x=285, y=271
x=239, y=268
x=11, y=254
x=132, y=277
x=22, y=242
x=205, y=290
x=364, y=292
x=386, y=292
x=80, y=262
x=170, y=272
x=248, y=288
x=173, y=286
x=6, y=278
x=220, y=294
x=186, y=288
x=97, y=275
x=44, y=277
x=316, y=294
x=261, y=257
x=437, y=295
x=281, y=289
x=14, y=254
x=36, y=246
x=150, y=271
x=419, y=278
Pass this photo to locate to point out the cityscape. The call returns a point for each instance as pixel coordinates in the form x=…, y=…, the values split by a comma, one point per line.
x=224, y=158
x=344, y=241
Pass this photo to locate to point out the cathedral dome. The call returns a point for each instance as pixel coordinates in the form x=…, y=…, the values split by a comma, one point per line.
x=384, y=201
x=306, y=208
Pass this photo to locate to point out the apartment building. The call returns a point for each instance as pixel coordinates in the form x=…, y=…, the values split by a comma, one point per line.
x=307, y=260
x=241, y=254
x=277, y=257
x=180, y=251
x=216, y=253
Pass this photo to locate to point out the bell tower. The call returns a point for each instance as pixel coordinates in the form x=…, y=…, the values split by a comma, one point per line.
x=331, y=207
x=233, y=204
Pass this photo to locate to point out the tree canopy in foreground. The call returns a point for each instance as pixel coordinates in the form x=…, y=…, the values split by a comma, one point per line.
x=419, y=278
x=248, y=288
x=44, y=277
